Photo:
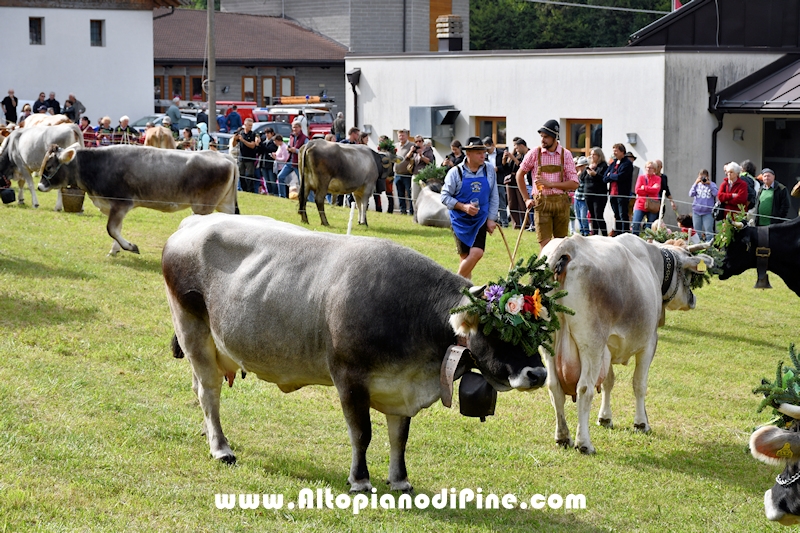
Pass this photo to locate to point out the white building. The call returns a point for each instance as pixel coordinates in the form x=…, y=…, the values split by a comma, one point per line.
x=653, y=96
x=102, y=51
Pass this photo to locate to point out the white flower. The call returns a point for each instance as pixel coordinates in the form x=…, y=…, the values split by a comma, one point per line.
x=515, y=303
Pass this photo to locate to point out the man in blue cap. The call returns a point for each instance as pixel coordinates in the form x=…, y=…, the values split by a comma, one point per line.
x=470, y=194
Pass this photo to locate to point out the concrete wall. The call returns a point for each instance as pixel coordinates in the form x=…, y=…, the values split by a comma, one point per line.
x=508, y=85
x=113, y=80
x=689, y=124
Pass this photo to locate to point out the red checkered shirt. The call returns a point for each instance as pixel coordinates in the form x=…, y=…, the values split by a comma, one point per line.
x=531, y=163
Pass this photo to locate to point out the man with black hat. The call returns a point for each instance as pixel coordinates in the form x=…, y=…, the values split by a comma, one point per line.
x=554, y=175
x=470, y=194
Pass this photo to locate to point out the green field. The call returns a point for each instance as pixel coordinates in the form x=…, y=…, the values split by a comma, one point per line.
x=100, y=431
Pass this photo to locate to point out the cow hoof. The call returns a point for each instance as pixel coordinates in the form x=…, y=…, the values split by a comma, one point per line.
x=586, y=449
x=134, y=249
x=642, y=428
x=228, y=459
x=402, y=486
x=605, y=422
x=36, y=206
x=360, y=486
x=564, y=443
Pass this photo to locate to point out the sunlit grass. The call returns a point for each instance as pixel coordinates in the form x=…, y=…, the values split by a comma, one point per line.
x=100, y=431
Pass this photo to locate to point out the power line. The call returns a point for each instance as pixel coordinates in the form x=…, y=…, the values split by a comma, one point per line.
x=609, y=8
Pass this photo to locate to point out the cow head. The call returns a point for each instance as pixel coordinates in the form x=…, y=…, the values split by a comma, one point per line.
x=504, y=365
x=54, y=159
x=679, y=295
x=739, y=254
x=773, y=445
x=387, y=163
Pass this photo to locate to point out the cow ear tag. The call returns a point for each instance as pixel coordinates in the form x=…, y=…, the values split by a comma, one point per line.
x=785, y=452
x=701, y=266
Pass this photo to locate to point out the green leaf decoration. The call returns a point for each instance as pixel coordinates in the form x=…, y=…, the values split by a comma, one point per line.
x=785, y=389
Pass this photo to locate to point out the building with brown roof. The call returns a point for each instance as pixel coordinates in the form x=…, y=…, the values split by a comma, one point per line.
x=257, y=58
x=99, y=50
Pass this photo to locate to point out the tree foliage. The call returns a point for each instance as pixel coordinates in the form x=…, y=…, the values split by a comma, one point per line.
x=517, y=24
x=203, y=4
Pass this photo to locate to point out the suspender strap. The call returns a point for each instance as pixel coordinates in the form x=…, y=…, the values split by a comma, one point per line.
x=762, y=258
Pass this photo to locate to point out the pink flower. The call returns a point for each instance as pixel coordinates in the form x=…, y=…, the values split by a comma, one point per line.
x=515, y=303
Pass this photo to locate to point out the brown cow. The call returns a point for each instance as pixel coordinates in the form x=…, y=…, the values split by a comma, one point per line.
x=159, y=137
x=45, y=120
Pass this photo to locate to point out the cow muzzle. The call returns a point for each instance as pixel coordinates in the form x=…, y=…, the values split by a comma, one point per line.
x=529, y=378
x=44, y=184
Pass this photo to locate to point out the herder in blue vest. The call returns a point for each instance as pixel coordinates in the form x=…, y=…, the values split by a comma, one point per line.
x=470, y=193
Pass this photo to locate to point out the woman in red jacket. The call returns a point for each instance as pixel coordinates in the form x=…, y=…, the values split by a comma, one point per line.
x=732, y=194
x=648, y=186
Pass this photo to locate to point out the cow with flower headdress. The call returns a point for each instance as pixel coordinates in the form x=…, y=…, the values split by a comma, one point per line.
x=298, y=307
x=619, y=288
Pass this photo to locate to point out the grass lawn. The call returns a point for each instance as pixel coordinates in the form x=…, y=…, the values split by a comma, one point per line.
x=100, y=431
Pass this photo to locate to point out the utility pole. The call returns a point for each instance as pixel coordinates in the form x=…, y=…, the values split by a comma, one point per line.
x=212, y=70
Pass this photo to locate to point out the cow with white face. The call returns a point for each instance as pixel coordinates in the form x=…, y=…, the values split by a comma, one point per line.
x=23, y=151
x=297, y=307
x=619, y=288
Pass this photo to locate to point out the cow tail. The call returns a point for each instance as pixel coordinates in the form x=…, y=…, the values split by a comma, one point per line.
x=301, y=166
x=235, y=189
x=177, y=351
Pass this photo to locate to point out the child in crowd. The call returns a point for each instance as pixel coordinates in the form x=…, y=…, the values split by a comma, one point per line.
x=685, y=223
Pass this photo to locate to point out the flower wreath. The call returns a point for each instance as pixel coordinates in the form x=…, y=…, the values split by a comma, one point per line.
x=521, y=314
x=785, y=389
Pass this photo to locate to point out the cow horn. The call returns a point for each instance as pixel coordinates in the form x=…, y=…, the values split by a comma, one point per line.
x=53, y=148
x=738, y=224
x=477, y=291
x=697, y=247
x=790, y=410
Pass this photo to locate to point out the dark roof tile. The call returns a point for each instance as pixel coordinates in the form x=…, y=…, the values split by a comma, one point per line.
x=240, y=39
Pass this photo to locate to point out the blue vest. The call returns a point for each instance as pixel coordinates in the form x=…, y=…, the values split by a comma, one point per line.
x=473, y=188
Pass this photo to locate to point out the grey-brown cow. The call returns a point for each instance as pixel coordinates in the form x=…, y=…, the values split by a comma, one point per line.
x=119, y=178
x=328, y=167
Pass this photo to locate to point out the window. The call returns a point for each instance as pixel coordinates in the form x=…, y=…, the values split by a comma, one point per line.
x=577, y=140
x=96, y=33
x=36, y=29
x=267, y=90
x=158, y=91
x=494, y=127
x=249, y=88
x=196, y=84
x=176, y=87
x=287, y=85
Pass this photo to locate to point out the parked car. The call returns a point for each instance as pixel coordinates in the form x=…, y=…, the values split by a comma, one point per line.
x=319, y=117
x=281, y=128
x=186, y=121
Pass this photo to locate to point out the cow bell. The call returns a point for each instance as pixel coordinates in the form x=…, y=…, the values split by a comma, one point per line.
x=762, y=282
x=476, y=397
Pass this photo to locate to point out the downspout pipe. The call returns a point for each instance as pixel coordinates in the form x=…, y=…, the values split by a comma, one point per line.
x=712, y=108
x=171, y=11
